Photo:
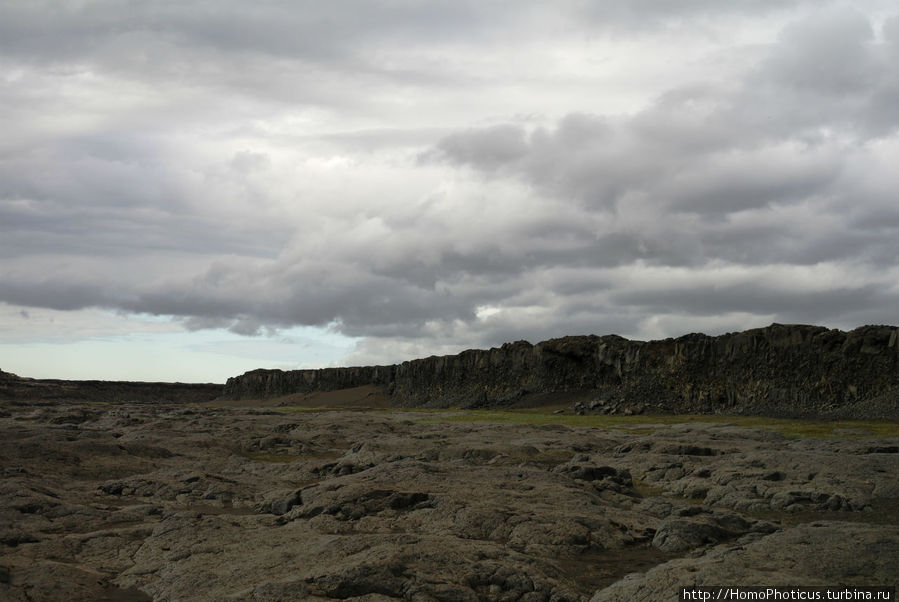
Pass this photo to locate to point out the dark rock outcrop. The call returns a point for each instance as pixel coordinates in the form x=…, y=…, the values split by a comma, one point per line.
x=262, y=384
x=35, y=391
x=780, y=370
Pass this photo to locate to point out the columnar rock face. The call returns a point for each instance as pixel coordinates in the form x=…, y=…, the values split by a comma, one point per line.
x=786, y=370
x=261, y=384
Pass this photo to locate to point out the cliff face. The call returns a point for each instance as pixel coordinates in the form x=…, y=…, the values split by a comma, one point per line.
x=262, y=384
x=780, y=370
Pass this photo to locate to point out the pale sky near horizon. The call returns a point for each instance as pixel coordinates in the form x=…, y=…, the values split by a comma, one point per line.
x=190, y=190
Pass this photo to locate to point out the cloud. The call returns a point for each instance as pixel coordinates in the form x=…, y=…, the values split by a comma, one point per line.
x=434, y=176
x=486, y=148
x=827, y=54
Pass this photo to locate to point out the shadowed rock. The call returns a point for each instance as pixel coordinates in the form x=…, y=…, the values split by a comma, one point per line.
x=780, y=370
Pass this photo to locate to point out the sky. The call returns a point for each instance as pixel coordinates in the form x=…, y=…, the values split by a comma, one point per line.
x=190, y=190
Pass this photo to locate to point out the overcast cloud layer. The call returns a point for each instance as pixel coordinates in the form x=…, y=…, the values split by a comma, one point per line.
x=432, y=176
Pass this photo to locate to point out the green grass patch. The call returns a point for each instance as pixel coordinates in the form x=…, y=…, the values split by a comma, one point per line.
x=640, y=425
x=297, y=409
x=317, y=409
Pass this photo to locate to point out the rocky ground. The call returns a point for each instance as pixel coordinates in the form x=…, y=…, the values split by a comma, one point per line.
x=169, y=502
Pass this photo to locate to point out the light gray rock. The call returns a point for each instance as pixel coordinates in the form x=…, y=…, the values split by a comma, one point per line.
x=812, y=554
x=165, y=502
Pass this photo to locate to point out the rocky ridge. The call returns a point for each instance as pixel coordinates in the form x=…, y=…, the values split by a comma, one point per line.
x=18, y=390
x=779, y=370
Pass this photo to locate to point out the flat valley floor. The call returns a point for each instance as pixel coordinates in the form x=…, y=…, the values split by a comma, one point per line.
x=155, y=502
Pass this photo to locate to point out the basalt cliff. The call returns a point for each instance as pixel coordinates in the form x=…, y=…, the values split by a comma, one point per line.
x=779, y=370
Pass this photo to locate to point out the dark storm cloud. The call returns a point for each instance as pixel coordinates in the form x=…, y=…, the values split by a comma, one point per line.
x=760, y=298
x=487, y=148
x=365, y=303
x=55, y=294
x=81, y=203
x=247, y=166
